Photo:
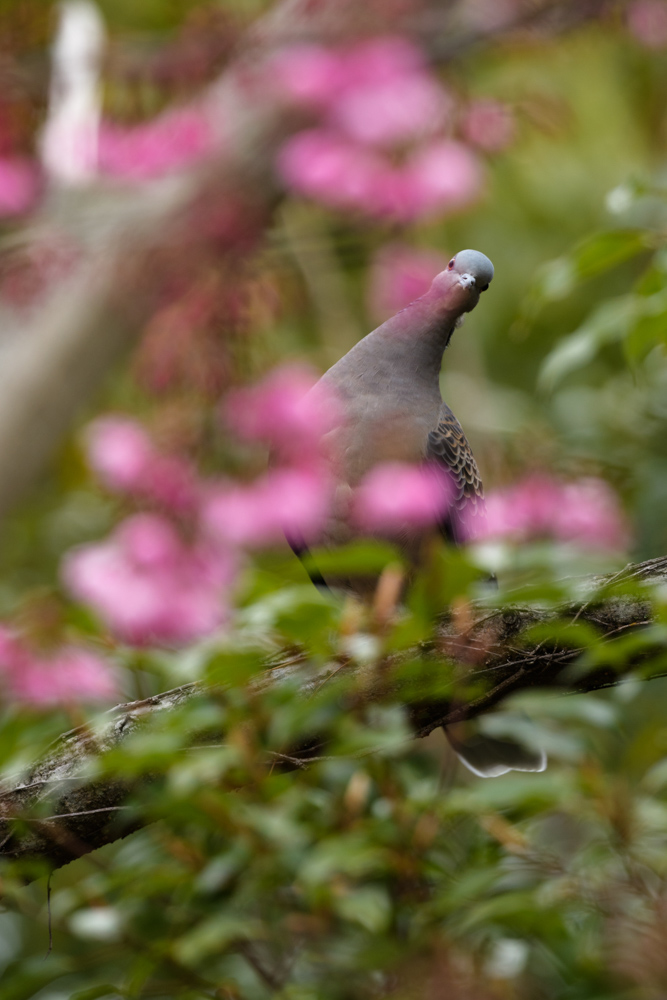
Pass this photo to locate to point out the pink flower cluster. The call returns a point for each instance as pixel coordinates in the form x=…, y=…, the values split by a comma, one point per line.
x=175, y=140
x=379, y=148
x=286, y=411
x=69, y=675
x=124, y=459
x=585, y=512
x=292, y=416
x=395, y=495
x=165, y=578
x=296, y=496
x=291, y=502
x=19, y=185
x=157, y=579
x=149, y=585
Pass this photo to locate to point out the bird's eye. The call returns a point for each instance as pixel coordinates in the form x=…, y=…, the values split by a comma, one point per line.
x=451, y=264
x=484, y=287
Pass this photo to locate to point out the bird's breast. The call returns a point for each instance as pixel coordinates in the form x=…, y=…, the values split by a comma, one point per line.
x=378, y=430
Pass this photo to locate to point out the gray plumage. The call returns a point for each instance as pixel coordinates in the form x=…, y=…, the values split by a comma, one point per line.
x=389, y=388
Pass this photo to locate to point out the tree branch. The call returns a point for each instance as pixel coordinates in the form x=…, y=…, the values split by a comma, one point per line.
x=56, y=813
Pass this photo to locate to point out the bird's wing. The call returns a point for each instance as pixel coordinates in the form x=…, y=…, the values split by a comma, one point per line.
x=447, y=447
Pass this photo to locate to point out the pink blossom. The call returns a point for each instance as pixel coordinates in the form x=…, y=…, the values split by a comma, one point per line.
x=585, y=511
x=286, y=410
x=392, y=111
x=326, y=166
x=171, y=142
x=399, y=275
x=19, y=185
x=391, y=194
x=118, y=451
x=395, y=496
x=320, y=164
x=171, y=482
x=647, y=21
x=591, y=515
x=444, y=175
x=292, y=503
x=489, y=125
x=122, y=455
x=380, y=59
x=308, y=75
x=373, y=97
x=149, y=586
x=314, y=76
x=70, y=674
x=377, y=91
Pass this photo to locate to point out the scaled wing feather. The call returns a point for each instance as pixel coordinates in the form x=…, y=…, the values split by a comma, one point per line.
x=448, y=448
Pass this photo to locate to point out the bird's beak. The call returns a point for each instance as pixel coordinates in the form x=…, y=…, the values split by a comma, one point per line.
x=466, y=280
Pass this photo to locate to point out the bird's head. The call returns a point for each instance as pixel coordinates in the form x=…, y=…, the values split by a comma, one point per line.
x=459, y=286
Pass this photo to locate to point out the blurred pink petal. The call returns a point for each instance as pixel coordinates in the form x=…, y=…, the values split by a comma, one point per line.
x=71, y=674
x=320, y=164
x=391, y=193
x=380, y=59
x=443, y=176
x=19, y=186
x=489, y=125
x=151, y=542
x=396, y=110
x=149, y=586
x=528, y=509
x=122, y=456
x=399, y=275
x=395, y=496
x=586, y=512
x=309, y=75
x=439, y=177
x=286, y=410
x=292, y=503
x=171, y=142
x=378, y=91
x=171, y=482
x=14, y=655
x=118, y=450
x=647, y=21
x=590, y=513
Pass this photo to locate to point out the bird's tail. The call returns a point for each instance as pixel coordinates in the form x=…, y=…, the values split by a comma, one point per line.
x=490, y=757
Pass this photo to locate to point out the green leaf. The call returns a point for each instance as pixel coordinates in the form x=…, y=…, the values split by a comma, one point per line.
x=355, y=559
x=214, y=935
x=609, y=322
x=594, y=256
x=234, y=666
x=354, y=856
x=369, y=906
x=96, y=992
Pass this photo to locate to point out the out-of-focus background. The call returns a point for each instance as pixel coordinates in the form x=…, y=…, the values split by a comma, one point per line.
x=193, y=195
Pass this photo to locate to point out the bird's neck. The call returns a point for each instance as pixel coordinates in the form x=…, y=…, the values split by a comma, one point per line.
x=420, y=333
